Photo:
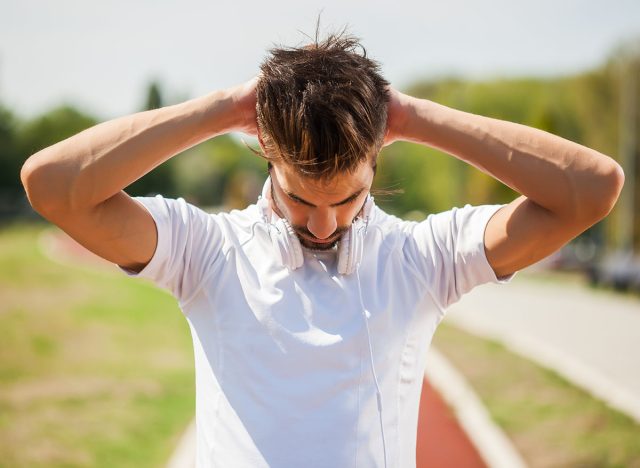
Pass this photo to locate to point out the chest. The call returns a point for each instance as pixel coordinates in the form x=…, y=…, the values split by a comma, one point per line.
x=311, y=313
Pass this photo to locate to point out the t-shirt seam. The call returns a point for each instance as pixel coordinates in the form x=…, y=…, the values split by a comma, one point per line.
x=357, y=445
x=160, y=225
x=415, y=270
x=210, y=270
x=399, y=366
x=408, y=236
x=483, y=254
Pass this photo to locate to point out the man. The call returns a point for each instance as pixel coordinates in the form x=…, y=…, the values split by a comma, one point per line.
x=311, y=310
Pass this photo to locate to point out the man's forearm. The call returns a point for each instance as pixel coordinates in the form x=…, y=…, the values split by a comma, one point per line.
x=94, y=165
x=559, y=175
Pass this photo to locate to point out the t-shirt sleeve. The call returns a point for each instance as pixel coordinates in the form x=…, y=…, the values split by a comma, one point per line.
x=449, y=252
x=189, y=246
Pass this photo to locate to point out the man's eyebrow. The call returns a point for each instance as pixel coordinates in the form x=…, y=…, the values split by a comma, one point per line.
x=343, y=202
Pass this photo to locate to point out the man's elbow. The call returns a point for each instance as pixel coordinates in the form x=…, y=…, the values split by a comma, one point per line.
x=609, y=186
x=38, y=178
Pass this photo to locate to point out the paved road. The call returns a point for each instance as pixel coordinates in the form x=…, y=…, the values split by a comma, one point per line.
x=592, y=337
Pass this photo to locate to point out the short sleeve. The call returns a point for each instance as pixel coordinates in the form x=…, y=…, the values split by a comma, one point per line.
x=189, y=245
x=448, y=250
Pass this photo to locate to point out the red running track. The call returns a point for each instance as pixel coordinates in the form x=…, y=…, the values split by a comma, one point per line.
x=441, y=441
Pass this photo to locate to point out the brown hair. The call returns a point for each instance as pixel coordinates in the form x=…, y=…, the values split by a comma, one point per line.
x=322, y=107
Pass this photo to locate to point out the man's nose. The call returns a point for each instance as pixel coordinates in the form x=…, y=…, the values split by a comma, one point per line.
x=322, y=223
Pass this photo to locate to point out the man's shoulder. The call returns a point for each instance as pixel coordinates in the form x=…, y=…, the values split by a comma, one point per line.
x=176, y=209
x=456, y=219
x=237, y=226
x=416, y=217
x=389, y=222
x=381, y=218
x=241, y=218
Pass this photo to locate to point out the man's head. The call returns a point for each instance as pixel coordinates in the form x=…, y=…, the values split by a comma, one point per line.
x=321, y=108
x=321, y=113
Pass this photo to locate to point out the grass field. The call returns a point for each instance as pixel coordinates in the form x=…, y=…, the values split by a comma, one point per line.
x=551, y=422
x=96, y=369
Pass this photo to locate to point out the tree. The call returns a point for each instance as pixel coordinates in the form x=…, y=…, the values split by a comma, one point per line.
x=19, y=140
x=10, y=158
x=53, y=126
x=154, y=97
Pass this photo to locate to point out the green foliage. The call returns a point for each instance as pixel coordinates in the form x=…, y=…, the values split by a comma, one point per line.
x=19, y=140
x=161, y=179
x=154, y=97
x=583, y=108
x=219, y=172
x=53, y=126
x=10, y=156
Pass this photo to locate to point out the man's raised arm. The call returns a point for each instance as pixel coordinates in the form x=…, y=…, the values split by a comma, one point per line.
x=77, y=183
x=566, y=187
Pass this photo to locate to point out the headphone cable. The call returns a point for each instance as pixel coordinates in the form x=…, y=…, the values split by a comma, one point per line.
x=373, y=370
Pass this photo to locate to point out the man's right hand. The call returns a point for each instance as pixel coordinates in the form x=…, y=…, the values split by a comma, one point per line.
x=244, y=99
x=396, y=116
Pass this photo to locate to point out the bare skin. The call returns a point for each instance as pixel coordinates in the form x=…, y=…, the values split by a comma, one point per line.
x=78, y=183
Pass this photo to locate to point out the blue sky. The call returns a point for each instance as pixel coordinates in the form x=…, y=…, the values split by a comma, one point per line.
x=101, y=55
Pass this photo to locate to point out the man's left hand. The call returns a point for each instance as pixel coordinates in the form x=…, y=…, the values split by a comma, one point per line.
x=396, y=117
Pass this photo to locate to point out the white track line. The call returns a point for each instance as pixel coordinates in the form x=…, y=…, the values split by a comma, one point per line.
x=184, y=456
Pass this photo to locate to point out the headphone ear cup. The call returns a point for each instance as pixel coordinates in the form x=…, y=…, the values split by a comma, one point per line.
x=286, y=244
x=351, y=247
x=344, y=252
x=357, y=244
x=284, y=240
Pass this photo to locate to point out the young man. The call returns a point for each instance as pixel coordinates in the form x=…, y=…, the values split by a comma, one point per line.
x=311, y=310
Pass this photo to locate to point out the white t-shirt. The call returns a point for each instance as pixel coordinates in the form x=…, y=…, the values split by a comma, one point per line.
x=283, y=371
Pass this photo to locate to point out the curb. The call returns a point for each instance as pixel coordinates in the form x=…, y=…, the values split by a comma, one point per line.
x=492, y=444
x=572, y=369
x=184, y=455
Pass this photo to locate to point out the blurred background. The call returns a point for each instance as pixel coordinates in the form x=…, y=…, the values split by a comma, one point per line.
x=95, y=369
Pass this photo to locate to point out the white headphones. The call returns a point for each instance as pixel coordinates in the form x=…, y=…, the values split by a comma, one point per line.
x=287, y=245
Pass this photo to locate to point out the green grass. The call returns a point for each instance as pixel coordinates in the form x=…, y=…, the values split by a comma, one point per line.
x=96, y=369
x=550, y=421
